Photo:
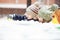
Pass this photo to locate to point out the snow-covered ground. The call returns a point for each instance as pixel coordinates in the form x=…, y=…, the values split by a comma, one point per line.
x=28, y=30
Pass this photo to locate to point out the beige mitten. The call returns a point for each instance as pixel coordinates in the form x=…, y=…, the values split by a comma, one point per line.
x=32, y=10
x=45, y=14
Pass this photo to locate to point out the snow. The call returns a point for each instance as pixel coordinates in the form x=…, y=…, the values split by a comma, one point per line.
x=28, y=30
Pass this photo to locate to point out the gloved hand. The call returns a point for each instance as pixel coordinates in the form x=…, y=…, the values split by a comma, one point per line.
x=46, y=13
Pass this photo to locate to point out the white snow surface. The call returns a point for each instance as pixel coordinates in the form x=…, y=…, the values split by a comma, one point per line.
x=28, y=30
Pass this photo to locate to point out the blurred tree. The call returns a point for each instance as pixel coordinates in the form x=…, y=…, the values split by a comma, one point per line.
x=28, y=3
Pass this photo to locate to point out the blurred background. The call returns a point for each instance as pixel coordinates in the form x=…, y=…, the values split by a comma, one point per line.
x=19, y=6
